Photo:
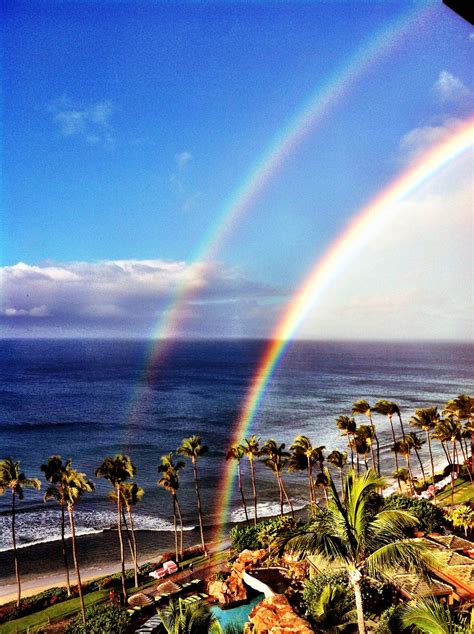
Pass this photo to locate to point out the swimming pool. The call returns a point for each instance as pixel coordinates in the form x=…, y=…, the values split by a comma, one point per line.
x=238, y=615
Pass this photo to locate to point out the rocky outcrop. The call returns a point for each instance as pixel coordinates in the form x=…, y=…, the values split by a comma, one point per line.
x=275, y=615
x=229, y=591
x=232, y=589
x=248, y=559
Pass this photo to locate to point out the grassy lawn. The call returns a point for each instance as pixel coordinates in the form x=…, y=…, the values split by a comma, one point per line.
x=463, y=492
x=72, y=607
x=55, y=613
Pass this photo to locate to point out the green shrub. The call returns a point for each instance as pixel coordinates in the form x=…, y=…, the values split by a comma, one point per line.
x=391, y=621
x=244, y=537
x=221, y=576
x=430, y=517
x=100, y=620
x=376, y=596
x=339, y=606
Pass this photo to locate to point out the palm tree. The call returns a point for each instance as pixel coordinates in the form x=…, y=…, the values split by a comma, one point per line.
x=339, y=460
x=131, y=494
x=388, y=409
x=426, y=419
x=359, y=538
x=362, y=407
x=463, y=517
x=449, y=430
x=276, y=459
x=54, y=471
x=320, y=458
x=403, y=447
x=348, y=427
x=403, y=475
x=12, y=479
x=117, y=470
x=170, y=482
x=252, y=451
x=236, y=452
x=75, y=485
x=193, y=449
x=463, y=408
x=416, y=443
x=194, y=618
x=365, y=433
x=302, y=458
x=428, y=616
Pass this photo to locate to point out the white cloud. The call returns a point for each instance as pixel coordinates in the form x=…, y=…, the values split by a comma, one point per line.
x=90, y=122
x=414, y=277
x=451, y=89
x=128, y=297
x=183, y=158
x=415, y=142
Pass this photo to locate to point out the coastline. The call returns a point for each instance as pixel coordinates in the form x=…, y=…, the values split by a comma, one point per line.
x=41, y=567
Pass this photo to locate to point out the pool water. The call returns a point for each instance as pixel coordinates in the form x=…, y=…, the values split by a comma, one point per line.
x=238, y=615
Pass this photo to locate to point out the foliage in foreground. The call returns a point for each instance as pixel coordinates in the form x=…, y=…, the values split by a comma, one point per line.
x=431, y=617
x=430, y=517
x=376, y=596
x=195, y=618
x=100, y=620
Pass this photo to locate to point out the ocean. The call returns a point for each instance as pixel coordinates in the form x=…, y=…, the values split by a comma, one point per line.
x=86, y=399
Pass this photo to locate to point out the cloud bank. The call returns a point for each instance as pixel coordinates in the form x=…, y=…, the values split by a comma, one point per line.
x=129, y=298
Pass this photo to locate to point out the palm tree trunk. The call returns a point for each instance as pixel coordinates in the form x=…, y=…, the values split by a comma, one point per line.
x=254, y=488
x=285, y=493
x=310, y=482
x=130, y=545
x=365, y=462
x=395, y=453
x=63, y=543
x=412, y=484
x=355, y=578
x=465, y=460
x=428, y=438
x=134, y=541
x=198, y=497
x=377, y=468
x=180, y=517
x=446, y=453
x=352, y=453
x=15, y=554
x=122, y=553
x=401, y=426
x=244, y=504
x=175, y=529
x=358, y=464
x=372, y=455
x=421, y=464
x=280, y=493
x=76, y=565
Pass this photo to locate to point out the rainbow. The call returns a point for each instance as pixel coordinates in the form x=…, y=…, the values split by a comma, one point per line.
x=357, y=233
x=312, y=112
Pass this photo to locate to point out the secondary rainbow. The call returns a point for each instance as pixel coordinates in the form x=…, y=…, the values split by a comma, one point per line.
x=320, y=104
x=357, y=233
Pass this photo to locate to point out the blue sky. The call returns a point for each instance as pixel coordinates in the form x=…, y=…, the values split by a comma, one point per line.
x=128, y=125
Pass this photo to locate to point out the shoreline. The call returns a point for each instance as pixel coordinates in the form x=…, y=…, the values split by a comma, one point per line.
x=98, y=553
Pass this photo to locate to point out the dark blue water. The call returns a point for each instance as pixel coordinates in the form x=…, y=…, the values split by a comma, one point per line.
x=86, y=399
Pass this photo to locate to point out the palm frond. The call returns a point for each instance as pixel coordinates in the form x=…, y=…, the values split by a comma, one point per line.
x=430, y=617
x=413, y=555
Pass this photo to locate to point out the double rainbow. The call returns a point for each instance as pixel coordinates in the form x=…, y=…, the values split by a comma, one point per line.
x=357, y=233
x=320, y=104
